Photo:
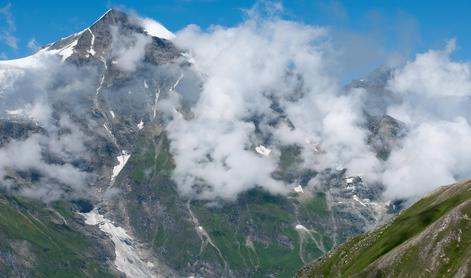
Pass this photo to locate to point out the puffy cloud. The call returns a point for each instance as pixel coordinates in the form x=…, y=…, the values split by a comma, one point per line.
x=155, y=29
x=264, y=65
x=51, y=150
x=266, y=82
x=434, y=74
x=435, y=98
x=433, y=154
x=128, y=50
x=247, y=71
x=28, y=155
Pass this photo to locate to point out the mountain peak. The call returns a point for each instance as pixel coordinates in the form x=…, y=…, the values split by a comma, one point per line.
x=95, y=41
x=112, y=17
x=130, y=21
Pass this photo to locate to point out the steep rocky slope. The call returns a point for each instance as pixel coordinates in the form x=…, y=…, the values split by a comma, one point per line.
x=432, y=238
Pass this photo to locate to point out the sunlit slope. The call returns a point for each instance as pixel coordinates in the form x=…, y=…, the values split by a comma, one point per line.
x=40, y=241
x=432, y=238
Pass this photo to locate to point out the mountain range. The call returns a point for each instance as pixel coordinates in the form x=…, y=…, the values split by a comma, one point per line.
x=88, y=186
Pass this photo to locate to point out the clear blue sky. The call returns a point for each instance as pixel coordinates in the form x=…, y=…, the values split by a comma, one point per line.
x=398, y=25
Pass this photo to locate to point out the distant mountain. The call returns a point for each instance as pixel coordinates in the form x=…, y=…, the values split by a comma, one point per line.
x=95, y=196
x=432, y=238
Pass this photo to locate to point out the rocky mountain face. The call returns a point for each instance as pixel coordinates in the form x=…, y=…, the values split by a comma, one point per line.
x=429, y=239
x=101, y=120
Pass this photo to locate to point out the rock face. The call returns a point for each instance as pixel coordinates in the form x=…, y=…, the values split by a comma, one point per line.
x=118, y=114
x=430, y=239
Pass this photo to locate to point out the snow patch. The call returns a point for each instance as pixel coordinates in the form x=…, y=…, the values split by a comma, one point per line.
x=189, y=58
x=263, y=150
x=32, y=61
x=112, y=114
x=154, y=110
x=176, y=83
x=98, y=90
x=108, y=130
x=16, y=112
x=355, y=197
x=155, y=29
x=122, y=160
x=67, y=51
x=145, y=85
x=339, y=168
x=127, y=259
x=349, y=180
x=140, y=125
x=315, y=146
x=300, y=227
x=299, y=189
x=92, y=43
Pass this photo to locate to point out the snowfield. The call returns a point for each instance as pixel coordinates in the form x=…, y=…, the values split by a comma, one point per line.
x=122, y=160
x=127, y=259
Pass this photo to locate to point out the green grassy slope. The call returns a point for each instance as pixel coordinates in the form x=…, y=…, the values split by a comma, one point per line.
x=255, y=234
x=35, y=241
x=432, y=238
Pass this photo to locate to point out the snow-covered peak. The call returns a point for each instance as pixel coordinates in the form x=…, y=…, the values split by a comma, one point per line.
x=32, y=61
x=149, y=26
x=155, y=29
x=95, y=42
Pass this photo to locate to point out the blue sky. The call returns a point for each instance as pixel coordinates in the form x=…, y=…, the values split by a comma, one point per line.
x=397, y=26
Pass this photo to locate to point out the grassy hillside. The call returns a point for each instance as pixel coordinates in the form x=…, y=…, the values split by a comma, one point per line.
x=431, y=238
x=41, y=241
x=254, y=236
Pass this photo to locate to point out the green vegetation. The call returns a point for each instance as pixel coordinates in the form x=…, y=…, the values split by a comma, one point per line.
x=155, y=209
x=248, y=234
x=360, y=254
x=49, y=248
x=290, y=166
x=316, y=206
x=255, y=234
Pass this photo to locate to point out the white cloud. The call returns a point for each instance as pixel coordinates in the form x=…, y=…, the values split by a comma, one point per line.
x=433, y=154
x=245, y=69
x=7, y=31
x=52, y=153
x=128, y=50
x=435, y=105
x=27, y=155
x=434, y=74
x=33, y=44
x=154, y=28
x=250, y=73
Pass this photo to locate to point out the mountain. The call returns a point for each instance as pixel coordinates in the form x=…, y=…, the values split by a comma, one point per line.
x=429, y=239
x=94, y=194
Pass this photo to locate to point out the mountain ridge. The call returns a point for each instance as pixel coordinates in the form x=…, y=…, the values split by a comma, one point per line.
x=431, y=236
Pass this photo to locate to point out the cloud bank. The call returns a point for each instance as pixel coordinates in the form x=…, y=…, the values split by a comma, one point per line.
x=50, y=146
x=266, y=82
x=435, y=93
x=271, y=82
